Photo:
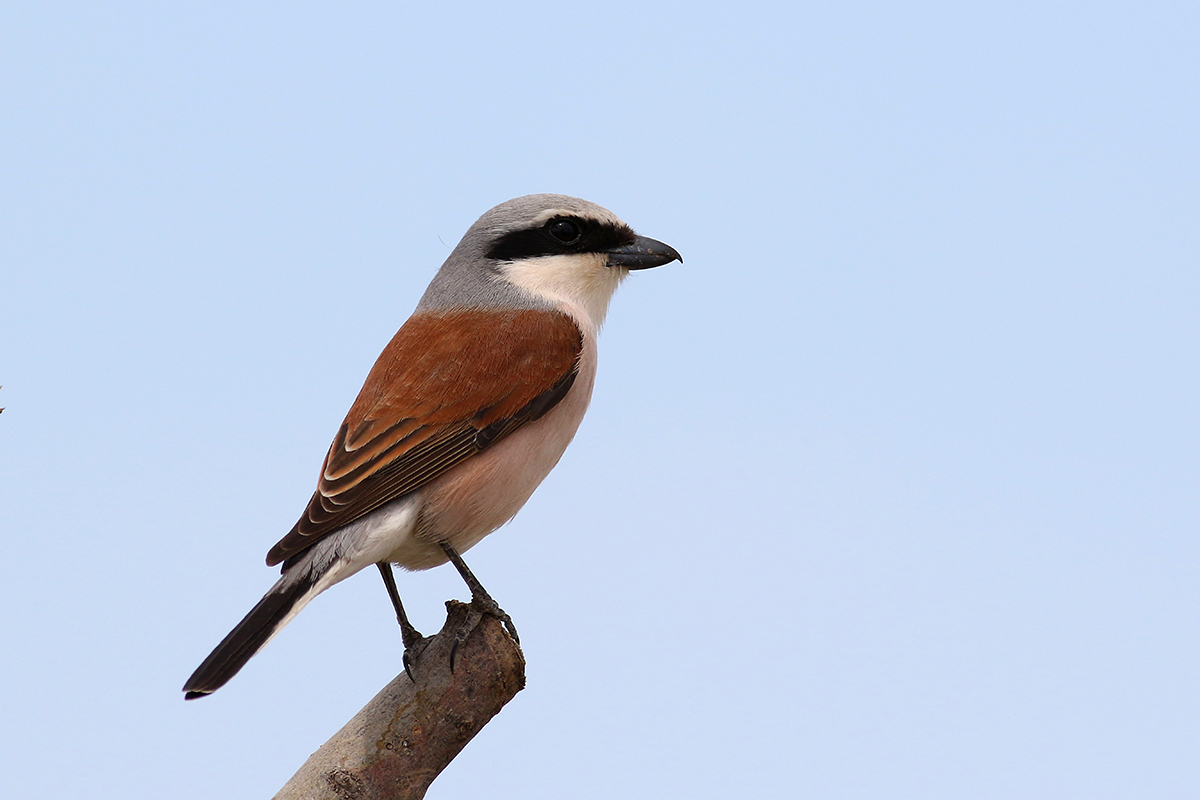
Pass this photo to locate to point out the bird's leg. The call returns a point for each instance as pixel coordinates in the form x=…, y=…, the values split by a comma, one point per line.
x=480, y=599
x=408, y=634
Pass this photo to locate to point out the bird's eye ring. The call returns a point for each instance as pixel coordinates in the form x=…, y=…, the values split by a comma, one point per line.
x=564, y=231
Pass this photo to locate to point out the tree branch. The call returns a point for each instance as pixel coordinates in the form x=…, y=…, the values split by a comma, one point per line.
x=409, y=732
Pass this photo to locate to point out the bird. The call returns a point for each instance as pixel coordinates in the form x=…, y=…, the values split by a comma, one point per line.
x=464, y=413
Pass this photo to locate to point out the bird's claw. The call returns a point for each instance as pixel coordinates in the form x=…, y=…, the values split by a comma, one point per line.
x=488, y=606
x=480, y=605
x=408, y=667
x=413, y=647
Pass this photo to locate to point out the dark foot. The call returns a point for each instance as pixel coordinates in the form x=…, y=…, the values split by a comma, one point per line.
x=480, y=605
x=412, y=654
x=487, y=605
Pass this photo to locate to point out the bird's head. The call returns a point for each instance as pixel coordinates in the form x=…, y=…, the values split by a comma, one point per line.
x=544, y=250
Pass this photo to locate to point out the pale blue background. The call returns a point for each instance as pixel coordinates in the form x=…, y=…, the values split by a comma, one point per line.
x=890, y=491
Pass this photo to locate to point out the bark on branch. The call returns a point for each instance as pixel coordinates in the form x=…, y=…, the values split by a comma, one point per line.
x=409, y=732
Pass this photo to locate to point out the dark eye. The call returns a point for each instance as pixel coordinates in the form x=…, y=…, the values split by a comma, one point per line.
x=564, y=231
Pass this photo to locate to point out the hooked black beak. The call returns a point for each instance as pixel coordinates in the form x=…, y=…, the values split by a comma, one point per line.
x=643, y=254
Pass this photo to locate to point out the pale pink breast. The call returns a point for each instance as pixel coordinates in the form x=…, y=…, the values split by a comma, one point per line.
x=484, y=492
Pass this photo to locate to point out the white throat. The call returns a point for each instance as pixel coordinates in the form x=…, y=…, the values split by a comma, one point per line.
x=582, y=283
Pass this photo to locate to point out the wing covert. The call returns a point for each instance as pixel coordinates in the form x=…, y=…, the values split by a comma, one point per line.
x=446, y=387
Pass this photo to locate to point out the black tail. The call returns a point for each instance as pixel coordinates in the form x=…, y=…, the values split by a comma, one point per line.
x=289, y=595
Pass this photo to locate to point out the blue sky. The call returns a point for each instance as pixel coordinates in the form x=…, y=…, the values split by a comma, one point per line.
x=890, y=490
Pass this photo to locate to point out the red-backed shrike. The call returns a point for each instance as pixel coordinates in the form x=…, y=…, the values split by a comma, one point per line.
x=468, y=408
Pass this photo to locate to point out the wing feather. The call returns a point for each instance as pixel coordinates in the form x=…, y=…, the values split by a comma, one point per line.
x=445, y=388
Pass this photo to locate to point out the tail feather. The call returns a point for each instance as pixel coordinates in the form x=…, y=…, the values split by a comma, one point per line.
x=285, y=599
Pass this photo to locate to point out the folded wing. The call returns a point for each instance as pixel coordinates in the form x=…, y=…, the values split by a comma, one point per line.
x=446, y=387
